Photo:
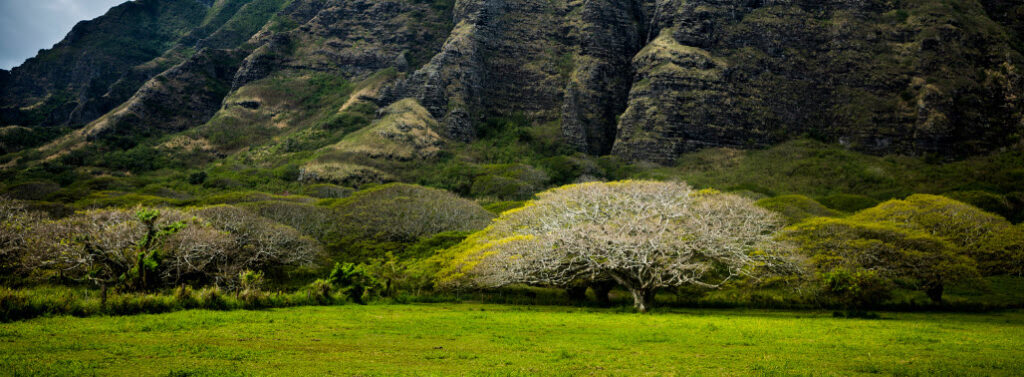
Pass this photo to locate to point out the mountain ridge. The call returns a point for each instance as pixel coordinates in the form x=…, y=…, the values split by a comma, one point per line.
x=640, y=80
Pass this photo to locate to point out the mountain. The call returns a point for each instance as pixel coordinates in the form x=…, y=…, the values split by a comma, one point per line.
x=500, y=98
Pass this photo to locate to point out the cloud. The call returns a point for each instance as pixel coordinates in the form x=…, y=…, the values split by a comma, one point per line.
x=26, y=26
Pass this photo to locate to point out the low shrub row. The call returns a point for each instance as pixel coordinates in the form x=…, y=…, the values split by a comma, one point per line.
x=26, y=303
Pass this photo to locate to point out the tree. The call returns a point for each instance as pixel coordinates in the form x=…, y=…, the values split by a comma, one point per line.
x=971, y=231
x=309, y=219
x=145, y=248
x=17, y=230
x=643, y=235
x=109, y=247
x=255, y=243
x=848, y=251
x=403, y=212
x=1004, y=251
x=353, y=280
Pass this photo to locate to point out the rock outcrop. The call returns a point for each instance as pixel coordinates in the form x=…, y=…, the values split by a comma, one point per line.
x=923, y=78
x=641, y=79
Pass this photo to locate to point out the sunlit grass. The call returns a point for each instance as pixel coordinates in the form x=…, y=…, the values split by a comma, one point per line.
x=459, y=339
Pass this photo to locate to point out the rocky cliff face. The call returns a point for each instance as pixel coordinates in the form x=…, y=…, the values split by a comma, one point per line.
x=658, y=78
x=557, y=60
x=920, y=78
x=642, y=79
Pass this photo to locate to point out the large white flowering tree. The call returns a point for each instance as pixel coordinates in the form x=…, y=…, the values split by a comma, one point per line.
x=643, y=235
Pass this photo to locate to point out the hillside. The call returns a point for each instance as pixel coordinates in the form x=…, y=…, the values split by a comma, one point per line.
x=498, y=100
x=478, y=187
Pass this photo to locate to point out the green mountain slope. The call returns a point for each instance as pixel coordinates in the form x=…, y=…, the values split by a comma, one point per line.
x=497, y=100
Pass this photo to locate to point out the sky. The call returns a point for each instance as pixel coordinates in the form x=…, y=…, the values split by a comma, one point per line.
x=26, y=26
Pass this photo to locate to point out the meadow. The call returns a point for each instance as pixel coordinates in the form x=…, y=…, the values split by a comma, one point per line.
x=487, y=339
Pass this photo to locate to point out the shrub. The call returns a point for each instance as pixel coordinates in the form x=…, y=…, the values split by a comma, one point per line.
x=403, y=212
x=320, y=291
x=984, y=200
x=968, y=228
x=848, y=202
x=353, y=280
x=857, y=288
x=844, y=249
x=796, y=208
x=17, y=237
x=197, y=178
x=212, y=298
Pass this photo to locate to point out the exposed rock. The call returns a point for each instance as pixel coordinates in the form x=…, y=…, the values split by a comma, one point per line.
x=608, y=34
x=350, y=38
x=876, y=77
x=642, y=79
x=184, y=96
x=667, y=110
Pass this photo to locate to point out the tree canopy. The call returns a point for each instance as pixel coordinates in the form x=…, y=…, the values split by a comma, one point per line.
x=854, y=258
x=643, y=235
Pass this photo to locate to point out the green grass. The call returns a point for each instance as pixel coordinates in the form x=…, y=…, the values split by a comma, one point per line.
x=473, y=339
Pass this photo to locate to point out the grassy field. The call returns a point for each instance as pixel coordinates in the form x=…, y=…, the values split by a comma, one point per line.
x=463, y=339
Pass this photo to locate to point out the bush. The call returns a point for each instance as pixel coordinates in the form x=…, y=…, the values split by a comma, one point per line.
x=848, y=202
x=841, y=251
x=327, y=191
x=403, y=212
x=968, y=228
x=984, y=200
x=796, y=208
x=859, y=288
x=498, y=207
x=197, y=178
x=320, y=291
x=353, y=280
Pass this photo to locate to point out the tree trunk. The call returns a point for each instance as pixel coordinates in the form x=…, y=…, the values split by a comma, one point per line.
x=641, y=299
x=103, y=295
x=934, y=292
